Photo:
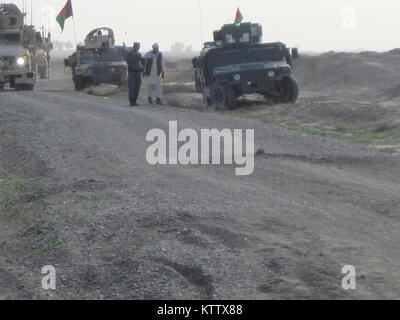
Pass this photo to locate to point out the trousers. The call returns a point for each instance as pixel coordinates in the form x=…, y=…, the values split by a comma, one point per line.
x=154, y=86
x=134, y=83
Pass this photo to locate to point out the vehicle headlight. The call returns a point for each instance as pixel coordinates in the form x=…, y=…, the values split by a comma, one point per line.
x=21, y=61
x=271, y=74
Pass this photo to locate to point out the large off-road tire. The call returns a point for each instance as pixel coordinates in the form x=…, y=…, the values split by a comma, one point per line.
x=289, y=89
x=222, y=96
x=80, y=83
x=199, y=87
x=207, y=100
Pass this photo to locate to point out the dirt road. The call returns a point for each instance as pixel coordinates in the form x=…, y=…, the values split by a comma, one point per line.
x=115, y=227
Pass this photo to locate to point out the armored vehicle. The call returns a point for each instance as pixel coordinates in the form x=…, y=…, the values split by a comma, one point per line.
x=43, y=57
x=237, y=63
x=43, y=64
x=18, y=46
x=98, y=61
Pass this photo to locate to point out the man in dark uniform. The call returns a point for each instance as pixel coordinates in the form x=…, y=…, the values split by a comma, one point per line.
x=135, y=63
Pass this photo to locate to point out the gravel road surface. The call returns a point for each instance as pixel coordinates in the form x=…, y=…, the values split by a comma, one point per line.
x=117, y=228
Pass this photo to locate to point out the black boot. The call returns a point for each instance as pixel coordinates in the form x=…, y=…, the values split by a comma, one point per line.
x=150, y=100
x=134, y=104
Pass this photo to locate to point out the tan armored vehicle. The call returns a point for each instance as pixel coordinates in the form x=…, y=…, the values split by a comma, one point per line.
x=18, y=48
x=43, y=58
x=98, y=61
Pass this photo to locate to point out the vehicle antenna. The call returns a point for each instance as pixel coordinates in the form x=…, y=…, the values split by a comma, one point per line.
x=201, y=22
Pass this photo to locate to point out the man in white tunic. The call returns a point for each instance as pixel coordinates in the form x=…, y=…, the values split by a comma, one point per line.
x=154, y=71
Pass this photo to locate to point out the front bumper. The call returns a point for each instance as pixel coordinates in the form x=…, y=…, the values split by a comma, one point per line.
x=19, y=76
x=107, y=74
x=252, y=77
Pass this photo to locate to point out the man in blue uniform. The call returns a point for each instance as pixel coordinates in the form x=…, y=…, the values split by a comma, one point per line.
x=135, y=63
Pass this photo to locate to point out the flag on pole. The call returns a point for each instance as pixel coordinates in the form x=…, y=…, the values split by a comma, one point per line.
x=239, y=17
x=65, y=13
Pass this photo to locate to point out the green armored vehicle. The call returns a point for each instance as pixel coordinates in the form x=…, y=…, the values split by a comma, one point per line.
x=98, y=61
x=237, y=63
x=18, y=48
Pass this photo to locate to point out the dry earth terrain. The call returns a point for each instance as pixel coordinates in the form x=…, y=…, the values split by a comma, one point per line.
x=76, y=191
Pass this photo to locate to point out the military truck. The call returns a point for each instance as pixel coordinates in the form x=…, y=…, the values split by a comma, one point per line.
x=237, y=63
x=43, y=64
x=43, y=57
x=18, y=46
x=98, y=61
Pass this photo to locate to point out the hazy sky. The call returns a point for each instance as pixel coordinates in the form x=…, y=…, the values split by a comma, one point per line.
x=319, y=25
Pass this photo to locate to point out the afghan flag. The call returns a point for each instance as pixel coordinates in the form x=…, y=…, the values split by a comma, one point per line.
x=65, y=13
x=239, y=17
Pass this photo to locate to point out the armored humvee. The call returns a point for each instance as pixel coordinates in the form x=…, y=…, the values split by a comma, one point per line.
x=18, y=46
x=237, y=63
x=98, y=61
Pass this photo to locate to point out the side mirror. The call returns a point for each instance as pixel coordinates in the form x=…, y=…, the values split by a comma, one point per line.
x=295, y=53
x=66, y=63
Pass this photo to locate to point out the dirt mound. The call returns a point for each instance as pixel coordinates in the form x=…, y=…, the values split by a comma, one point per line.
x=103, y=90
x=356, y=91
x=333, y=71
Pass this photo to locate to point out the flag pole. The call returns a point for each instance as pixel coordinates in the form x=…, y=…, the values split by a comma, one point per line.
x=76, y=42
x=73, y=19
x=201, y=22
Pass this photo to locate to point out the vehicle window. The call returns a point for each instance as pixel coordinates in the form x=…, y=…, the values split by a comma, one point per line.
x=10, y=37
x=111, y=56
x=264, y=54
x=89, y=57
x=227, y=58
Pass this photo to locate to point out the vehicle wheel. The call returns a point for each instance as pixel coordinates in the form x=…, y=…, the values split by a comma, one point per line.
x=290, y=90
x=18, y=87
x=222, y=96
x=1, y=86
x=199, y=87
x=28, y=87
x=207, y=101
x=79, y=83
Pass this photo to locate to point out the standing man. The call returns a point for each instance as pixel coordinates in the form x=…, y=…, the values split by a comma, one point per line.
x=155, y=70
x=135, y=63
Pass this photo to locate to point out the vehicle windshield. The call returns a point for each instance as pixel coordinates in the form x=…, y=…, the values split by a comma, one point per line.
x=107, y=56
x=110, y=56
x=89, y=57
x=241, y=56
x=10, y=37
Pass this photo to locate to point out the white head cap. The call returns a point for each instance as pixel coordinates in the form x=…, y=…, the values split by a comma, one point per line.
x=155, y=46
